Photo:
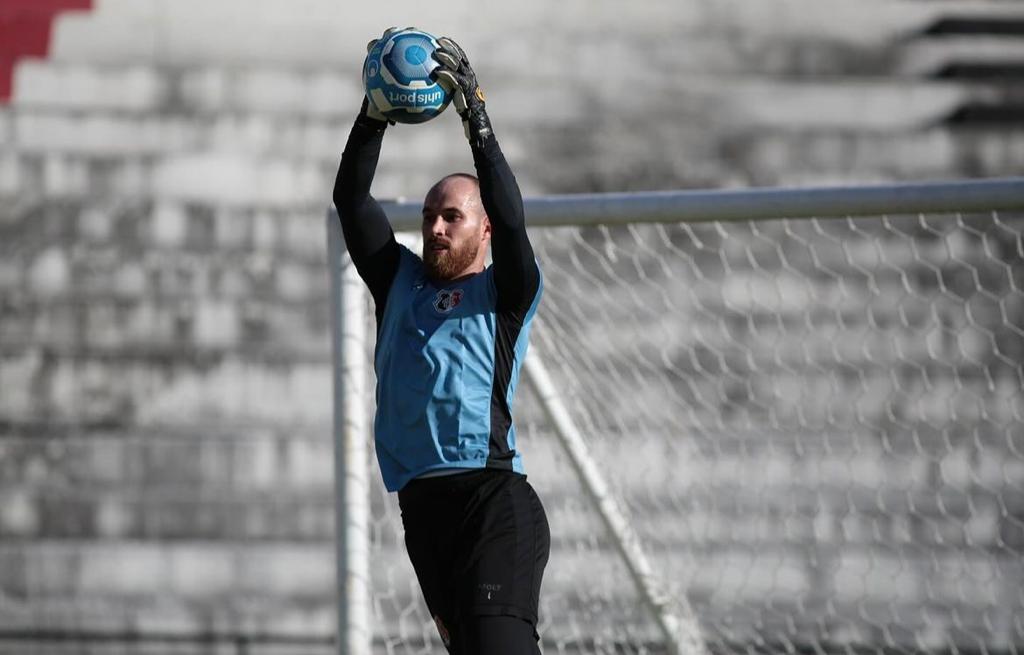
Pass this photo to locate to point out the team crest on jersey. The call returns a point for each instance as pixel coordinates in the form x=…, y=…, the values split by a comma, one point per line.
x=447, y=299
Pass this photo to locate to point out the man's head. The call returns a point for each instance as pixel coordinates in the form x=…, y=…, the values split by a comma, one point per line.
x=456, y=230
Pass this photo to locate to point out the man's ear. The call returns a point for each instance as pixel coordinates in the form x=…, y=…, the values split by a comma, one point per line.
x=487, y=227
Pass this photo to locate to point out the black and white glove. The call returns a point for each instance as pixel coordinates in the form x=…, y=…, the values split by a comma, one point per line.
x=368, y=115
x=388, y=32
x=456, y=74
x=368, y=110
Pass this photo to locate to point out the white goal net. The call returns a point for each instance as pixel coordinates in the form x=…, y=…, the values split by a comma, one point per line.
x=814, y=426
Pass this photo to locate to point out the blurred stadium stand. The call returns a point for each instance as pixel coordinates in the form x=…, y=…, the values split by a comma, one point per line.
x=165, y=454
x=25, y=32
x=982, y=50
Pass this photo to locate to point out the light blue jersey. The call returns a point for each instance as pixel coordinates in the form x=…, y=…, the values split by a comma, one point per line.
x=447, y=364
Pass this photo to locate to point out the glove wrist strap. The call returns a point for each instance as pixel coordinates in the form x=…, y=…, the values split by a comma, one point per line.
x=371, y=123
x=477, y=125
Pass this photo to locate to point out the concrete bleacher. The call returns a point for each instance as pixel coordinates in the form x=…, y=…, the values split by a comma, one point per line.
x=165, y=385
x=25, y=29
x=163, y=81
x=233, y=141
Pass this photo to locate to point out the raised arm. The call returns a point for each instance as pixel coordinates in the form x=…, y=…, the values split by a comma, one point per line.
x=515, y=268
x=368, y=234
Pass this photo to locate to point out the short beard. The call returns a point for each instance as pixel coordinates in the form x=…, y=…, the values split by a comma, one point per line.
x=446, y=264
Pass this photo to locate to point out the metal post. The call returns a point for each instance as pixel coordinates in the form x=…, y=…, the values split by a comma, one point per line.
x=674, y=617
x=351, y=466
x=691, y=206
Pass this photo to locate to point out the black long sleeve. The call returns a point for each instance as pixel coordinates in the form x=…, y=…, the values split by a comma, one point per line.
x=368, y=234
x=515, y=268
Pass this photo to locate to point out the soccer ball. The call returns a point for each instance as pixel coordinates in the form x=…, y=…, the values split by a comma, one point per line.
x=396, y=75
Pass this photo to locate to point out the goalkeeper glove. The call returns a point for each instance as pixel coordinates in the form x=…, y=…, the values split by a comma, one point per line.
x=368, y=115
x=368, y=110
x=456, y=73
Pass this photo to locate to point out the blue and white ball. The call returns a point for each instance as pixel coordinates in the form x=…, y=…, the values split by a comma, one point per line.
x=396, y=75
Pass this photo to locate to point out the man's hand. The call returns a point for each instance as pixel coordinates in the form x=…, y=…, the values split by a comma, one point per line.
x=388, y=32
x=456, y=73
x=368, y=110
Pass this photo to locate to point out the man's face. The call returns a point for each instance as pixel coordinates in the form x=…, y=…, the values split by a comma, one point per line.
x=455, y=229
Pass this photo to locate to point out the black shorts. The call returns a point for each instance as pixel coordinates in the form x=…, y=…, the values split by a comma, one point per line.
x=479, y=542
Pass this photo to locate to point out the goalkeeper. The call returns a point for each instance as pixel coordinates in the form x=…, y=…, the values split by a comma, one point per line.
x=451, y=337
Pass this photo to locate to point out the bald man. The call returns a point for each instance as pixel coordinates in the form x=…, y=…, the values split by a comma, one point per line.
x=451, y=337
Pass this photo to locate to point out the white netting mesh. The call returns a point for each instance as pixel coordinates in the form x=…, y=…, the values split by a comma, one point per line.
x=816, y=427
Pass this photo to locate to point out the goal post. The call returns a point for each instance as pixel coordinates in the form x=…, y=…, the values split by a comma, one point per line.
x=773, y=419
x=351, y=449
x=691, y=206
